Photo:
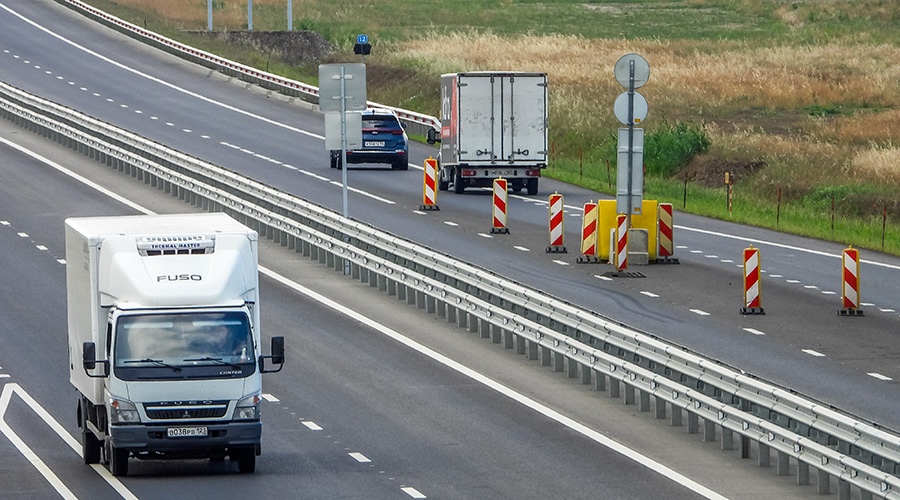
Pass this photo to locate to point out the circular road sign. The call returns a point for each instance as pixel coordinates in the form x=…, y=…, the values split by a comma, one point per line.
x=621, y=108
x=622, y=70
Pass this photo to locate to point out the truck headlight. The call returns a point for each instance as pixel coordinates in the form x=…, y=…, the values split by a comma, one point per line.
x=247, y=408
x=122, y=411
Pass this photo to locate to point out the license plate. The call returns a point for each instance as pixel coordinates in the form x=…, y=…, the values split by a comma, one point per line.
x=502, y=173
x=374, y=144
x=176, y=432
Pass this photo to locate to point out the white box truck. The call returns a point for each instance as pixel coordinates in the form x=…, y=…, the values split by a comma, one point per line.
x=164, y=338
x=493, y=124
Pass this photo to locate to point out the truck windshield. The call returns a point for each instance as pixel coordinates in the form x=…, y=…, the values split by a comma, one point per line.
x=170, y=341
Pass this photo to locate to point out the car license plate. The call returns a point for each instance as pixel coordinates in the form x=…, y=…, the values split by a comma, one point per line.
x=176, y=432
x=502, y=173
x=374, y=144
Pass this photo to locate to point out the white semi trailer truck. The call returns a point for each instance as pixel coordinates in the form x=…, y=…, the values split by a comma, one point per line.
x=493, y=124
x=164, y=338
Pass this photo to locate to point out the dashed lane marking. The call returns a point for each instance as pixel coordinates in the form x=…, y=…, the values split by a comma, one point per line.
x=311, y=425
x=813, y=353
x=700, y=312
x=650, y=294
x=359, y=457
x=754, y=331
x=414, y=493
x=879, y=376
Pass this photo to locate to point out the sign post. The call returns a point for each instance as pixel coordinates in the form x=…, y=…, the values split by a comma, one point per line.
x=631, y=71
x=342, y=88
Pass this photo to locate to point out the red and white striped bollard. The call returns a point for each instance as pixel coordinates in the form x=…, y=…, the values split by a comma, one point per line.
x=752, y=298
x=557, y=230
x=499, y=204
x=590, y=222
x=429, y=190
x=621, y=258
x=850, y=283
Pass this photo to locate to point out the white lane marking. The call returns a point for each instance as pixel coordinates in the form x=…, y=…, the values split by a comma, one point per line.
x=522, y=399
x=270, y=398
x=359, y=457
x=23, y=235
x=560, y=262
x=813, y=353
x=776, y=276
x=414, y=493
x=48, y=419
x=700, y=312
x=727, y=261
x=879, y=376
x=793, y=281
x=886, y=310
x=450, y=223
x=419, y=212
x=604, y=278
x=681, y=247
x=811, y=287
x=828, y=292
x=311, y=425
x=4, y=222
x=41, y=248
x=4, y=375
x=711, y=256
x=485, y=235
x=61, y=261
x=521, y=249
x=868, y=304
x=696, y=251
x=364, y=193
x=650, y=294
x=314, y=175
x=754, y=331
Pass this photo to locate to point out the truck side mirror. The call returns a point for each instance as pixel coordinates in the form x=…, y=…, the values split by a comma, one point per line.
x=278, y=350
x=89, y=355
x=277, y=356
x=431, y=136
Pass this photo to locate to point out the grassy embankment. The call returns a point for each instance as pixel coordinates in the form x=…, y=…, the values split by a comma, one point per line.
x=798, y=98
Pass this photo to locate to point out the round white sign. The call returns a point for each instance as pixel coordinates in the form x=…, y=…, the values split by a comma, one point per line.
x=621, y=108
x=622, y=70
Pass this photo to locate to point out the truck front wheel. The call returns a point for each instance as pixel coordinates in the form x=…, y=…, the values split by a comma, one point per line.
x=117, y=458
x=246, y=460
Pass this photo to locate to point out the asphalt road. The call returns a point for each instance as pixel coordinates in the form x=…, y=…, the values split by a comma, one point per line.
x=851, y=362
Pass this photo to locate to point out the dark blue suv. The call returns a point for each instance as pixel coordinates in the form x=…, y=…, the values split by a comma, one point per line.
x=384, y=140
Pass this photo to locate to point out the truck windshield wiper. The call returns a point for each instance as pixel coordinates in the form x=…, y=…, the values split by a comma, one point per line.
x=154, y=361
x=218, y=361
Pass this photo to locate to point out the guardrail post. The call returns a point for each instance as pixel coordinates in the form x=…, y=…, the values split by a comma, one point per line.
x=571, y=367
x=728, y=440
x=614, y=388
x=763, y=460
x=676, y=416
x=462, y=318
x=823, y=483
x=473, y=323
x=508, y=339
x=782, y=464
x=496, y=334
x=420, y=299
x=802, y=473
x=545, y=355
x=644, y=401
x=411, y=295
x=599, y=381
x=629, y=394
x=484, y=328
x=451, y=314
x=558, y=362
x=709, y=430
x=693, y=425
x=843, y=490
x=532, y=350
x=660, y=407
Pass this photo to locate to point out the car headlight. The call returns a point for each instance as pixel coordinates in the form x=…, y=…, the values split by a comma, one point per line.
x=247, y=408
x=122, y=411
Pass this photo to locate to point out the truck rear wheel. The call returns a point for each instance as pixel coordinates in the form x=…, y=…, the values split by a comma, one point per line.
x=532, y=186
x=459, y=184
x=91, y=447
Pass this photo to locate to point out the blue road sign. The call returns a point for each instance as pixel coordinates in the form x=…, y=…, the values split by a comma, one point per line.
x=362, y=38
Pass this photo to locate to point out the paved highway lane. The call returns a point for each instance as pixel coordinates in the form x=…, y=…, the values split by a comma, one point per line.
x=802, y=344
x=355, y=413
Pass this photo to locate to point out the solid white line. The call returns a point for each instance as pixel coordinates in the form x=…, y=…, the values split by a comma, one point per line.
x=754, y=331
x=311, y=425
x=813, y=353
x=592, y=434
x=359, y=457
x=879, y=376
x=409, y=490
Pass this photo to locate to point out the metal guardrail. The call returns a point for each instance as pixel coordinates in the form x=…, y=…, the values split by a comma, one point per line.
x=600, y=351
x=417, y=123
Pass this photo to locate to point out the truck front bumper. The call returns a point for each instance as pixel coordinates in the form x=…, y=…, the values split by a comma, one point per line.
x=154, y=438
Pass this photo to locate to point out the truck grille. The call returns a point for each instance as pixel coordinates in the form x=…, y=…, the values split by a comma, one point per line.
x=174, y=410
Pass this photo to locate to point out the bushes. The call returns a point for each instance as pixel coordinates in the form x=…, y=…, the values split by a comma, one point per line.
x=668, y=148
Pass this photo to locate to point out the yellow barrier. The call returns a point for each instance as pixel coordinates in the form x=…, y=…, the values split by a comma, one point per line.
x=646, y=220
